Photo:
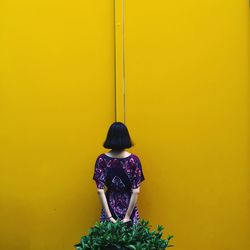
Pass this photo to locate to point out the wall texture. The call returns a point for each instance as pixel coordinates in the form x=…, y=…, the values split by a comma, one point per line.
x=187, y=104
x=188, y=109
x=57, y=100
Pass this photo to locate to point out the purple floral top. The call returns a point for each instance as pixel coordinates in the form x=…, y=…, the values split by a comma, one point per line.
x=120, y=176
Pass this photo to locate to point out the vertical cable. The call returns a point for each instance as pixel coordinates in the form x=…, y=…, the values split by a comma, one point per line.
x=115, y=57
x=119, y=60
x=123, y=62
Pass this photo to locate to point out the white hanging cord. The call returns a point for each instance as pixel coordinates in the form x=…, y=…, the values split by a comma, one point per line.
x=123, y=62
x=115, y=58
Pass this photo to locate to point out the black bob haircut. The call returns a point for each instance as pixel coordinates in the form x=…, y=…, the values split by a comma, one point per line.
x=118, y=137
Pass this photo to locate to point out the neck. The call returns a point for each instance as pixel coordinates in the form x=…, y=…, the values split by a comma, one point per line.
x=117, y=151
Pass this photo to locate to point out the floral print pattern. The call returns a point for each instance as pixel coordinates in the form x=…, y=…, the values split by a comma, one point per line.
x=120, y=176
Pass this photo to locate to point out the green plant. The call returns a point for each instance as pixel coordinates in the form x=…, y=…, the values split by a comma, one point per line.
x=119, y=235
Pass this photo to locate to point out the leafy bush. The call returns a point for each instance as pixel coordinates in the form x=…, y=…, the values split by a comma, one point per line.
x=108, y=235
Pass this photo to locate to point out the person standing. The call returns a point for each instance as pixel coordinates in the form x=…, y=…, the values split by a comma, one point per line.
x=121, y=173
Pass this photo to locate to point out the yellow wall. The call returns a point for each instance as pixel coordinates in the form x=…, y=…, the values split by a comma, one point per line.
x=57, y=100
x=187, y=111
x=187, y=107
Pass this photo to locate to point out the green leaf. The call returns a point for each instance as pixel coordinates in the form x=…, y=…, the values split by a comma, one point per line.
x=131, y=247
x=136, y=237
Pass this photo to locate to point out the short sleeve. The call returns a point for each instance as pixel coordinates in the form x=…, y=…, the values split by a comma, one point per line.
x=138, y=175
x=100, y=173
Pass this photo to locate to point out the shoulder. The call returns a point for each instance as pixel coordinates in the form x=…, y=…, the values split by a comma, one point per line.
x=100, y=158
x=134, y=159
x=100, y=155
x=135, y=156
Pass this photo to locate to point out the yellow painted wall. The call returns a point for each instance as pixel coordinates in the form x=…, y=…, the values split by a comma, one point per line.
x=187, y=107
x=56, y=101
x=187, y=103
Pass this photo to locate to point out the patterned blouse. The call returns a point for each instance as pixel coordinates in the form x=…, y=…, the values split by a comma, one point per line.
x=120, y=176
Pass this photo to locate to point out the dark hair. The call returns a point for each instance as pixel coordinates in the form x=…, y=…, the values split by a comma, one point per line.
x=118, y=137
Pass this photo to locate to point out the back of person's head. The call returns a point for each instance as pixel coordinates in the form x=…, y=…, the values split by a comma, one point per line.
x=118, y=137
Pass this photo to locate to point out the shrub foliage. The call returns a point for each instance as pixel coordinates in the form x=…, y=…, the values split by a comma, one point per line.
x=108, y=235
